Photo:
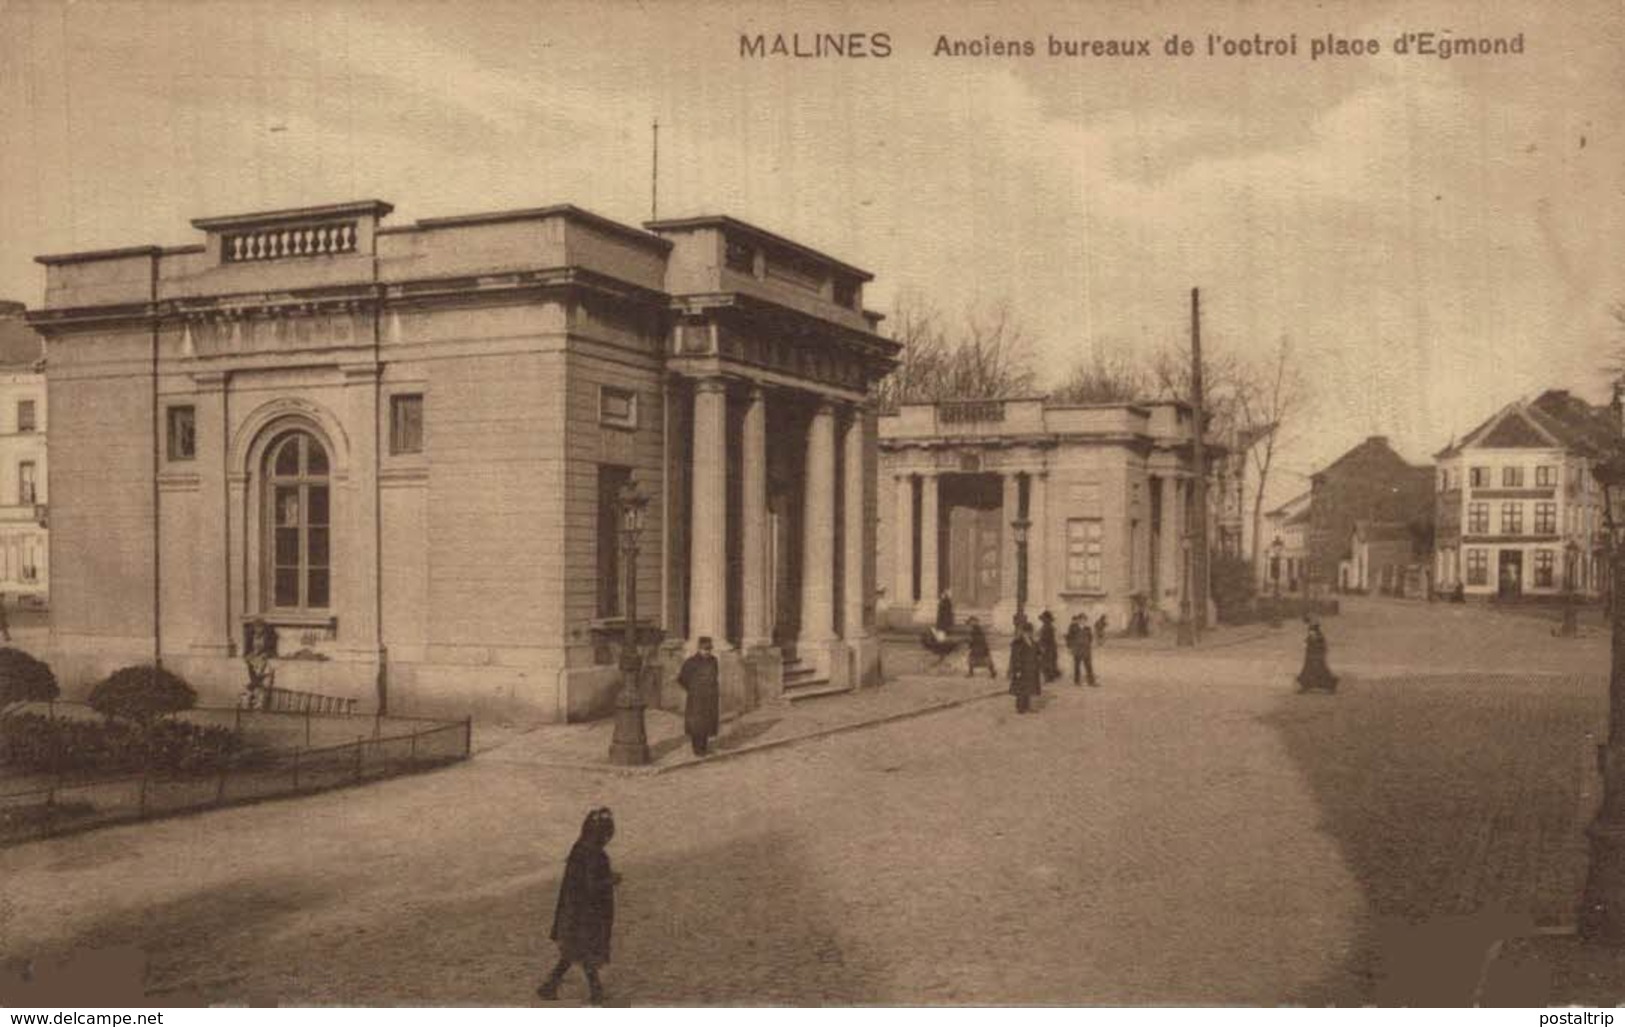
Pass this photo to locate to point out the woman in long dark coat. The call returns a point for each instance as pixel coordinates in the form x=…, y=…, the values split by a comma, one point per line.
x=585, y=915
x=1024, y=667
x=979, y=654
x=1049, y=650
x=1317, y=673
x=945, y=613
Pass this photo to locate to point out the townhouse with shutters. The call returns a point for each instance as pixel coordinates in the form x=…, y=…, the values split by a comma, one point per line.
x=1518, y=510
x=404, y=448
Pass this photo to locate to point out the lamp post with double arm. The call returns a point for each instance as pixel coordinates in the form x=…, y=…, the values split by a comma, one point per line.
x=630, y=746
x=1019, y=529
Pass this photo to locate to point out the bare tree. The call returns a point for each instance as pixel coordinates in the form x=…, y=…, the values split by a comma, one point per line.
x=989, y=354
x=1104, y=377
x=1267, y=393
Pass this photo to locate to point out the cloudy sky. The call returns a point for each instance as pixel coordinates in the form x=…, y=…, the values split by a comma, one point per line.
x=1436, y=237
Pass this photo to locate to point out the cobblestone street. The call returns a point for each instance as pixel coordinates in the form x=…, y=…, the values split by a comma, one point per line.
x=1193, y=832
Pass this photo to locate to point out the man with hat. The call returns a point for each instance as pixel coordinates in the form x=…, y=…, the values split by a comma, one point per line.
x=700, y=677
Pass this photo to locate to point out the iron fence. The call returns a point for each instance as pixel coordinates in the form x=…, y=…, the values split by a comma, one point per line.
x=274, y=758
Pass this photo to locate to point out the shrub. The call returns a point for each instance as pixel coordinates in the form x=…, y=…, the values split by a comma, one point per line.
x=33, y=741
x=1232, y=584
x=24, y=679
x=141, y=693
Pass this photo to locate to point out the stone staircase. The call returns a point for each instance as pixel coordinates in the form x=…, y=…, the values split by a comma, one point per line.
x=802, y=681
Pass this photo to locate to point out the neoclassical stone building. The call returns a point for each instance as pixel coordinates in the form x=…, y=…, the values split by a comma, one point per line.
x=1107, y=489
x=402, y=447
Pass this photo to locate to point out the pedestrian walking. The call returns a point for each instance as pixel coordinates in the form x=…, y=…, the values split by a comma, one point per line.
x=1316, y=675
x=1048, y=649
x=945, y=613
x=585, y=915
x=979, y=655
x=1025, y=668
x=1080, y=643
x=1100, y=630
x=701, y=678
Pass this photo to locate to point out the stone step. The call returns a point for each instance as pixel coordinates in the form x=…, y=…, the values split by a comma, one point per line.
x=813, y=690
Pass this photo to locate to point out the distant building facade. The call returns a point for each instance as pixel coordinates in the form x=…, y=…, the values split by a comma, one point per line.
x=1106, y=488
x=1285, y=557
x=24, y=490
x=1519, y=512
x=404, y=448
x=1386, y=559
x=1370, y=482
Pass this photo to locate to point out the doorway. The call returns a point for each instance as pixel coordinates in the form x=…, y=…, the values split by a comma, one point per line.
x=1511, y=574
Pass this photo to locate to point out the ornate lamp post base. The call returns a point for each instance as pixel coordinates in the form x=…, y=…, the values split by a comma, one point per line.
x=630, y=746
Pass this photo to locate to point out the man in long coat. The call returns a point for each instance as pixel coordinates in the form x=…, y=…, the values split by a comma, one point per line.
x=584, y=918
x=1024, y=666
x=701, y=679
x=1080, y=642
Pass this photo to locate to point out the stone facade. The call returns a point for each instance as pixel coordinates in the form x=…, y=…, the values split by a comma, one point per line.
x=25, y=563
x=1106, y=488
x=1370, y=482
x=401, y=446
x=1519, y=512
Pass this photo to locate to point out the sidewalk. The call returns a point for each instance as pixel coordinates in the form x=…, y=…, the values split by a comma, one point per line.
x=586, y=746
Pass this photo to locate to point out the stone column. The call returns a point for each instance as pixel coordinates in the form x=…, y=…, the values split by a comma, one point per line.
x=1009, y=565
x=818, y=530
x=753, y=521
x=902, y=597
x=1039, y=545
x=1171, y=568
x=930, y=587
x=708, y=550
x=855, y=555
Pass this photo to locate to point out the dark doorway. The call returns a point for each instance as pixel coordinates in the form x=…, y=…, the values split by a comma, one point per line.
x=1511, y=574
x=974, y=505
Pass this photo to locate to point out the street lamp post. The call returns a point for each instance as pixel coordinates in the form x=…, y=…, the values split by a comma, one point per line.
x=1276, y=549
x=1019, y=528
x=1571, y=564
x=630, y=746
x=1602, y=906
x=1187, y=628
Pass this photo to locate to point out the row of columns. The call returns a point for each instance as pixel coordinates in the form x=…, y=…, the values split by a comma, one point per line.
x=905, y=539
x=708, y=519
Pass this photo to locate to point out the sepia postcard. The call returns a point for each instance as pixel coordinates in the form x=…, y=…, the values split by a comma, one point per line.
x=532, y=504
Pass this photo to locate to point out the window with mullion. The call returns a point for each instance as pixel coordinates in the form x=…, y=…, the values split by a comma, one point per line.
x=300, y=544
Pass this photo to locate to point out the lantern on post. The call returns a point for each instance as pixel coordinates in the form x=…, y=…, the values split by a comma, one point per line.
x=630, y=746
x=1019, y=529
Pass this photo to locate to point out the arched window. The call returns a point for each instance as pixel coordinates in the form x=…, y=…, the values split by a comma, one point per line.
x=296, y=516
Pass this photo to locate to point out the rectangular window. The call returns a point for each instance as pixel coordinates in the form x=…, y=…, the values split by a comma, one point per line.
x=617, y=408
x=406, y=423
x=1545, y=518
x=25, y=483
x=182, y=433
x=25, y=415
x=1512, y=477
x=1546, y=476
x=1083, y=554
x=1479, y=477
x=1478, y=518
x=1512, y=518
x=1544, y=562
x=611, y=480
x=1478, y=567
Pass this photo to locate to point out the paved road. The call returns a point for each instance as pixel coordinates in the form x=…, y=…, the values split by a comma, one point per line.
x=1191, y=833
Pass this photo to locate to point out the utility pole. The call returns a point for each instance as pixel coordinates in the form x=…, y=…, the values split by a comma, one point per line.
x=1199, y=454
x=654, y=177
